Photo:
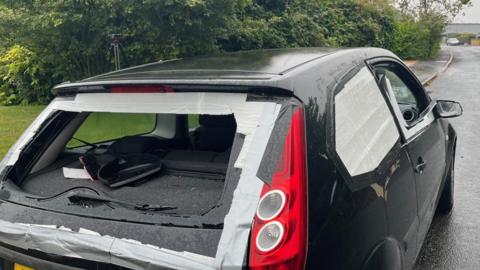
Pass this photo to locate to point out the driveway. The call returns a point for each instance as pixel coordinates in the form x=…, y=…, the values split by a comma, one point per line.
x=454, y=241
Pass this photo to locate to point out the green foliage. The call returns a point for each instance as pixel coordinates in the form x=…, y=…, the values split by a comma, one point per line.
x=419, y=31
x=22, y=79
x=304, y=23
x=417, y=39
x=267, y=30
x=47, y=42
x=69, y=39
x=73, y=35
x=465, y=38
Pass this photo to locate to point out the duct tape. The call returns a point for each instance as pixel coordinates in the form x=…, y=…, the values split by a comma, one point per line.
x=235, y=236
x=92, y=246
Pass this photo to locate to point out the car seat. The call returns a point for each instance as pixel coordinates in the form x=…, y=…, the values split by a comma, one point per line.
x=215, y=133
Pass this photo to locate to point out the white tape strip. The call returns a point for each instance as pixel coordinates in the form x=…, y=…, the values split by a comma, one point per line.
x=71, y=173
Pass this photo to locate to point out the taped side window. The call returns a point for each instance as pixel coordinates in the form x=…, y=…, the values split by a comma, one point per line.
x=365, y=130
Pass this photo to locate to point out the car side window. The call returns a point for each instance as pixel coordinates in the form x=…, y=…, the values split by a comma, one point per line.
x=408, y=99
x=365, y=130
x=402, y=93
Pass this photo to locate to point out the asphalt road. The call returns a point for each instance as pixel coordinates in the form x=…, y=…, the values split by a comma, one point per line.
x=453, y=241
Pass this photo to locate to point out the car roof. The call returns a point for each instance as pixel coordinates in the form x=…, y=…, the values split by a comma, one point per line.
x=256, y=68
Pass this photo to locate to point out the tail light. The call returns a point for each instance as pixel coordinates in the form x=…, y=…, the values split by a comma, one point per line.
x=279, y=233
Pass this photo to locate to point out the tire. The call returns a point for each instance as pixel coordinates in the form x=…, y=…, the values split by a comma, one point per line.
x=445, y=204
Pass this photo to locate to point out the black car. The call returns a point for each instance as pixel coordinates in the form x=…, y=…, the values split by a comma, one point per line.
x=274, y=159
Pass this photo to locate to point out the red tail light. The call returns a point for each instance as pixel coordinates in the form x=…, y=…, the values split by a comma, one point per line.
x=141, y=89
x=288, y=223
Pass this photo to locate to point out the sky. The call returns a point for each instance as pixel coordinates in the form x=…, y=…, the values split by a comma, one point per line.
x=472, y=14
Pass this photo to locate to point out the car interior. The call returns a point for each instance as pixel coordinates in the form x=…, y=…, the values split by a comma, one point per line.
x=172, y=160
x=399, y=93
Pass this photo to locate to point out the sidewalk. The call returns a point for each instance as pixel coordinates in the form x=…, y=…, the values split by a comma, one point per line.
x=428, y=70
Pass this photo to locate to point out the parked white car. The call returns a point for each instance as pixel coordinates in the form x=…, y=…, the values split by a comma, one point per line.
x=453, y=42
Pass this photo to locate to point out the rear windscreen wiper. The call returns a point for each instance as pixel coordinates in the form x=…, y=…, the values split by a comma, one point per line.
x=93, y=197
x=85, y=143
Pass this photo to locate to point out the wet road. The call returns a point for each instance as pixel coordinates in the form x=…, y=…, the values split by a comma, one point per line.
x=453, y=242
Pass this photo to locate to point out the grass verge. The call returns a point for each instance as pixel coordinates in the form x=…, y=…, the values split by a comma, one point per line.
x=13, y=121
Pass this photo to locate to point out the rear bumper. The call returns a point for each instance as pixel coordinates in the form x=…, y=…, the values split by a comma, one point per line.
x=18, y=257
x=84, y=243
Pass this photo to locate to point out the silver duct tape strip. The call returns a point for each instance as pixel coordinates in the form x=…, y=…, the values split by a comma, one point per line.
x=137, y=256
x=91, y=246
x=235, y=236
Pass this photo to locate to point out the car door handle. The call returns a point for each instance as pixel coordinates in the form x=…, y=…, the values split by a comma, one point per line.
x=421, y=165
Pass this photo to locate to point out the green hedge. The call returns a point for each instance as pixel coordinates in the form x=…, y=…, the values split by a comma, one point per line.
x=466, y=38
x=417, y=39
x=47, y=42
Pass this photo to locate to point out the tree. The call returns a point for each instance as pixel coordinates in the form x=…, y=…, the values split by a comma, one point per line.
x=73, y=35
x=426, y=8
x=307, y=23
x=419, y=31
x=70, y=38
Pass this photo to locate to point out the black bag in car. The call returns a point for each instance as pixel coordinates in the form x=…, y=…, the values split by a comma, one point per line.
x=124, y=162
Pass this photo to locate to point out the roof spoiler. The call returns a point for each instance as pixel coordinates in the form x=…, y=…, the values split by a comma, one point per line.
x=72, y=89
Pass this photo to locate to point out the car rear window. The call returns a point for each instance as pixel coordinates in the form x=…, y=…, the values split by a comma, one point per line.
x=177, y=155
x=104, y=126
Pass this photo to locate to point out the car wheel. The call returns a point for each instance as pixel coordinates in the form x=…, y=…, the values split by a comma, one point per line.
x=445, y=204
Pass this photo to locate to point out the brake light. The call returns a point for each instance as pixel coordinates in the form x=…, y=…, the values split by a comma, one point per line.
x=279, y=232
x=141, y=89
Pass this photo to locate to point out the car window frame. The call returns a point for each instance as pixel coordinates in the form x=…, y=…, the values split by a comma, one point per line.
x=426, y=117
x=383, y=169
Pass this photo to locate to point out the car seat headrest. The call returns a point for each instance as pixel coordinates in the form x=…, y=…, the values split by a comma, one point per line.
x=217, y=120
x=216, y=133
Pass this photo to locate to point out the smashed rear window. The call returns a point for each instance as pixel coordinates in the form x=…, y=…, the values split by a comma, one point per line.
x=174, y=154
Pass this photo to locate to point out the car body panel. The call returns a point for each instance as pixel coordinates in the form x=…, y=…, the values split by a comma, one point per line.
x=387, y=255
x=266, y=62
x=401, y=201
x=428, y=147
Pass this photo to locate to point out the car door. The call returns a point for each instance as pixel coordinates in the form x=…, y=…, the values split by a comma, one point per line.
x=422, y=133
x=368, y=143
